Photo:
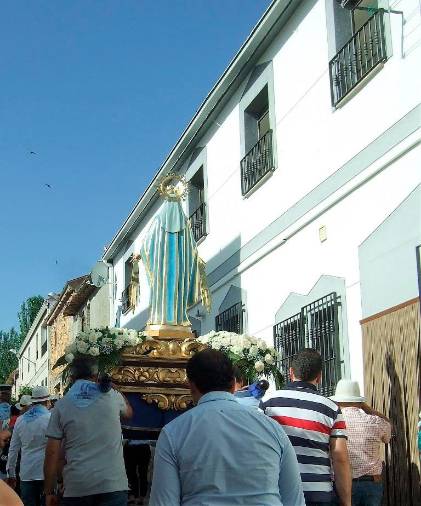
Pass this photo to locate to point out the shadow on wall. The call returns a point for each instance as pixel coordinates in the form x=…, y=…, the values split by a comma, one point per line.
x=225, y=261
x=138, y=321
x=402, y=485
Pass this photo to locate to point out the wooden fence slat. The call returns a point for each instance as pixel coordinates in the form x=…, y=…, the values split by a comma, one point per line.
x=391, y=350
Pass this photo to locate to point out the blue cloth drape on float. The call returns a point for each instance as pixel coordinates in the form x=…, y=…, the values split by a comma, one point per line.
x=172, y=263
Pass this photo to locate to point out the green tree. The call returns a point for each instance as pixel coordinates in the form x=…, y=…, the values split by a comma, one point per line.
x=27, y=313
x=12, y=340
x=25, y=390
x=9, y=340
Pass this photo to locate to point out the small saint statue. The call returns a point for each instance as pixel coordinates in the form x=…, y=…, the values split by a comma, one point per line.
x=169, y=252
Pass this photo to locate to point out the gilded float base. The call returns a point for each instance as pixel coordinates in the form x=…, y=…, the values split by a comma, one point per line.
x=156, y=368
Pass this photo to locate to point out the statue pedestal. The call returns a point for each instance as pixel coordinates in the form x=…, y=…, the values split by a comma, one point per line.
x=156, y=368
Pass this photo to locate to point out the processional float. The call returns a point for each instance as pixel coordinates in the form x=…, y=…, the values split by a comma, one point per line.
x=153, y=374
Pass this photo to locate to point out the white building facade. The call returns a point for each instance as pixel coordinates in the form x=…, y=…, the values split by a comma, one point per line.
x=304, y=163
x=33, y=355
x=305, y=145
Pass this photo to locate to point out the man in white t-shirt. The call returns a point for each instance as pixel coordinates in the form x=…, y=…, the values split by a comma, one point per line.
x=28, y=437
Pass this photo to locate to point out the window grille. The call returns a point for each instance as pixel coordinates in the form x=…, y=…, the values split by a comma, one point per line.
x=125, y=300
x=231, y=319
x=257, y=163
x=315, y=326
x=198, y=222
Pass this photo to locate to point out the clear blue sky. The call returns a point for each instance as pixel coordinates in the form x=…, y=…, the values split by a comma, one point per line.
x=100, y=90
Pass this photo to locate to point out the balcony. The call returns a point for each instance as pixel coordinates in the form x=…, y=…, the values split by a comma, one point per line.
x=198, y=222
x=358, y=57
x=125, y=300
x=257, y=163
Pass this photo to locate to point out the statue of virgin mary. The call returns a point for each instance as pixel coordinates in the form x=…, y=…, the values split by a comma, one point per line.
x=169, y=252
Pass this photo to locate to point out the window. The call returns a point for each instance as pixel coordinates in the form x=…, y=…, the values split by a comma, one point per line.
x=363, y=50
x=362, y=13
x=316, y=326
x=197, y=205
x=258, y=160
x=44, y=344
x=36, y=344
x=125, y=300
x=231, y=320
x=263, y=125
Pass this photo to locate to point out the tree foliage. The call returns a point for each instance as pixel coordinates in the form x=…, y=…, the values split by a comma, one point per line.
x=25, y=390
x=27, y=313
x=12, y=339
x=9, y=340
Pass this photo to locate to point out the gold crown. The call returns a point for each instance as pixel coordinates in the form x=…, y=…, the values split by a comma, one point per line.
x=173, y=186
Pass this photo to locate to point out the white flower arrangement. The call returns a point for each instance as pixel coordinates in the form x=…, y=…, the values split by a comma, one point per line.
x=102, y=341
x=252, y=355
x=105, y=344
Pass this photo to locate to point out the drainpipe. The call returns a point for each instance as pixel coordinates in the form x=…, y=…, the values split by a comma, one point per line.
x=110, y=266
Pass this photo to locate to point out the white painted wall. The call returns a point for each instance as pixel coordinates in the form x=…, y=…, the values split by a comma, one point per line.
x=33, y=364
x=313, y=142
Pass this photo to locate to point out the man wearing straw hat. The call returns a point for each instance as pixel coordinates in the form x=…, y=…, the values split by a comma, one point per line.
x=367, y=431
x=24, y=404
x=29, y=436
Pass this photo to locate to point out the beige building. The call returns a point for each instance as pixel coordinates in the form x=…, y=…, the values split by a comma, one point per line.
x=81, y=306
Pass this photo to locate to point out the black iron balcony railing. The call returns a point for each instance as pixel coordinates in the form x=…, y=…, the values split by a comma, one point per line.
x=125, y=300
x=257, y=163
x=358, y=57
x=198, y=222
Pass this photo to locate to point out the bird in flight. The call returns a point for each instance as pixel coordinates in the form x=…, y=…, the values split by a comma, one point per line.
x=48, y=186
x=32, y=153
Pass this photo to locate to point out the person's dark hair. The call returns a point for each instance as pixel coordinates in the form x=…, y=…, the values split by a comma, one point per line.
x=87, y=368
x=307, y=364
x=105, y=383
x=83, y=368
x=239, y=376
x=263, y=385
x=210, y=371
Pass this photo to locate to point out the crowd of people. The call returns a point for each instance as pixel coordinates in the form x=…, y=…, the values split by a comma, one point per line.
x=239, y=445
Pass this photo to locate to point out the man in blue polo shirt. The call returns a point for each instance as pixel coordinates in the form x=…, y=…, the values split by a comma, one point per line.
x=220, y=452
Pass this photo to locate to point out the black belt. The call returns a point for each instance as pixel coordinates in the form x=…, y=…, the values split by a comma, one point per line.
x=367, y=477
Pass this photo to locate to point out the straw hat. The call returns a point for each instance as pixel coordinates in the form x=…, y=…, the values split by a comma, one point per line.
x=25, y=400
x=347, y=391
x=40, y=394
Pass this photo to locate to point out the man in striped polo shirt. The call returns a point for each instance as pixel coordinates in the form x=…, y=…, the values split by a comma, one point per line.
x=316, y=429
